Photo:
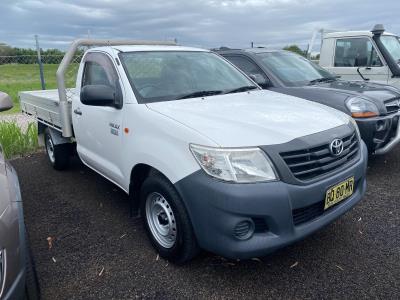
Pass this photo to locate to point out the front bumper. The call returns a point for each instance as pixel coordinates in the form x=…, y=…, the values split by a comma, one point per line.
x=217, y=207
x=380, y=134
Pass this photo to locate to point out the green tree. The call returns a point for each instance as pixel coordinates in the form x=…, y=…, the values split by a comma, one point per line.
x=296, y=49
x=52, y=52
x=5, y=50
x=24, y=51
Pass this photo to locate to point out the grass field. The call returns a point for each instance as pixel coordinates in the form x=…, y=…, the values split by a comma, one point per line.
x=23, y=77
x=15, y=78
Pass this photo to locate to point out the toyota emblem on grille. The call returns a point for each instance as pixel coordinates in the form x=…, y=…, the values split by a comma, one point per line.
x=336, y=147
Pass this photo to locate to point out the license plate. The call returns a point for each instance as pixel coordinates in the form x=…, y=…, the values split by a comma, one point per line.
x=339, y=192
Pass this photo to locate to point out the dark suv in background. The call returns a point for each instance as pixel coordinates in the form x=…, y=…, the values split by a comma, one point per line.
x=17, y=274
x=374, y=106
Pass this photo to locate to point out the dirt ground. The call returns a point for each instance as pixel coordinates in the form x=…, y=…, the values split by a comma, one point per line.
x=99, y=252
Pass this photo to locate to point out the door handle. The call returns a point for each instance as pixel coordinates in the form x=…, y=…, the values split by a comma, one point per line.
x=77, y=111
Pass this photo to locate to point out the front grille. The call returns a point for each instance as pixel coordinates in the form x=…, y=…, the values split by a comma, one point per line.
x=308, y=213
x=392, y=105
x=306, y=164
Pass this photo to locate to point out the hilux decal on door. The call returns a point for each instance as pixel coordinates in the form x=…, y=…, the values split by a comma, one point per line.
x=114, y=128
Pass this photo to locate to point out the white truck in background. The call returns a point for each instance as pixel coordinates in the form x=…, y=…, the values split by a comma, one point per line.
x=361, y=55
x=209, y=159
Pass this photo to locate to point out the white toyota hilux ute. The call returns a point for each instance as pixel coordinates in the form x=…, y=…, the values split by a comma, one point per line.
x=209, y=159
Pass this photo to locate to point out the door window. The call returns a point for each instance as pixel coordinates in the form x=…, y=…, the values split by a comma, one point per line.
x=95, y=74
x=250, y=68
x=356, y=52
x=245, y=65
x=99, y=70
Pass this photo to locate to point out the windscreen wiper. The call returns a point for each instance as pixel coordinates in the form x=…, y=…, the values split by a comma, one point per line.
x=323, y=79
x=200, y=94
x=241, y=89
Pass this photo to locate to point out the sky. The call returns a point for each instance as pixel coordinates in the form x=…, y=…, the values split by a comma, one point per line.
x=200, y=23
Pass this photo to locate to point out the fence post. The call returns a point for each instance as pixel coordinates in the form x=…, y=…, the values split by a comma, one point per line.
x=39, y=58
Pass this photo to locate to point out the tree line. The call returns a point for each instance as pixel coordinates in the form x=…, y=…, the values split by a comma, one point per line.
x=6, y=50
x=54, y=56
x=15, y=55
x=296, y=49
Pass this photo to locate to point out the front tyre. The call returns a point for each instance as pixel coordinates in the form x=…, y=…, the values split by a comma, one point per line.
x=58, y=155
x=166, y=220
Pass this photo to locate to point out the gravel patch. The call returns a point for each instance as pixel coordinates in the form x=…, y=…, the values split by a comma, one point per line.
x=21, y=119
x=99, y=252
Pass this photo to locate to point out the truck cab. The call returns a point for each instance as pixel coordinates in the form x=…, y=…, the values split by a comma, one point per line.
x=362, y=55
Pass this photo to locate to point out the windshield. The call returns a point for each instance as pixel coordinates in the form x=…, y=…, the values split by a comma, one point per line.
x=293, y=69
x=171, y=75
x=392, y=45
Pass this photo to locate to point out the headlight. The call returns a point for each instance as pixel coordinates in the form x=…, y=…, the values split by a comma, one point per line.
x=241, y=165
x=361, y=108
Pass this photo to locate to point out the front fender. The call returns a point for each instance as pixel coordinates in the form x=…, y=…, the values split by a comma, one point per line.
x=160, y=142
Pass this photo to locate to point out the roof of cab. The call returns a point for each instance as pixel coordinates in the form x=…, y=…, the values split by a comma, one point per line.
x=340, y=34
x=248, y=50
x=133, y=48
x=262, y=50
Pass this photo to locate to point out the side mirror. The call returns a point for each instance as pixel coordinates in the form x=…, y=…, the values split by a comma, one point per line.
x=260, y=80
x=98, y=95
x=5, y=102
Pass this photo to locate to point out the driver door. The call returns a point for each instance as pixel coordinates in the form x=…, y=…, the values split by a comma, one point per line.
x=98, y=129
x=358, y=59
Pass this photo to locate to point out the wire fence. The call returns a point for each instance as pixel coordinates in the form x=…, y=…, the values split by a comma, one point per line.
x=30, y=63
x=30, y=59
x=22, y=73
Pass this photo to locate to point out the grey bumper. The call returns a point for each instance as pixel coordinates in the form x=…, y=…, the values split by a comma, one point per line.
x=381, y=134
x=216, y=208
x=393, y=141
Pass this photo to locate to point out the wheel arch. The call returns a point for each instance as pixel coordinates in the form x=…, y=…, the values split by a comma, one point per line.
x=138, y=175
x=56, y=136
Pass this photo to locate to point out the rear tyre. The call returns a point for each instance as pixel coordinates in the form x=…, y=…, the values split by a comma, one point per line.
x=166, y=220
x=58, y=155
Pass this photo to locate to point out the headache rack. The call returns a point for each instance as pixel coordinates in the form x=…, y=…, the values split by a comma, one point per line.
x=52, y=107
